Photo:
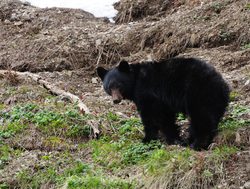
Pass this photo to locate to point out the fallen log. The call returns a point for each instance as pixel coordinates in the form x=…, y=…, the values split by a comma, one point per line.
x=56, y=91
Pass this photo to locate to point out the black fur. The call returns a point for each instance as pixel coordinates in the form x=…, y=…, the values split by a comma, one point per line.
x=162, y=89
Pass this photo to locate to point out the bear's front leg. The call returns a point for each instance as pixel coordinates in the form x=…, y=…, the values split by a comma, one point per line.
x=147, y=108
x=163, y=121
x=150, y=129
x=150, y=123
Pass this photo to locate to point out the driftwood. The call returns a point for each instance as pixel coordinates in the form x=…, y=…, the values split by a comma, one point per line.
x=57, y=91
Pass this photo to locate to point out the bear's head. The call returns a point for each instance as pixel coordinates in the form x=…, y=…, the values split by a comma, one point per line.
x=118, y=82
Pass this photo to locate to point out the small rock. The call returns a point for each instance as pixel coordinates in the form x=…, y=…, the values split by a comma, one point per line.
x=247, y=82
x=98, y=42
x=10, y=100
x=45, y=32
x=7, y=21
x=248, y=168
x=13, y=17
x=247, y=185
x=26, y=3
x=237, y=137
x=26, y=17
x=94, y=80
x=19, y=23
x=64, y=98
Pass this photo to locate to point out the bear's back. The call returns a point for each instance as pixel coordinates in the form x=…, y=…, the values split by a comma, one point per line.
x=173, y=81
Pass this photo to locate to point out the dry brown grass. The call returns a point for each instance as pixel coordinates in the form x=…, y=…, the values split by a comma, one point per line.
x=73, y=39
x=11, y=77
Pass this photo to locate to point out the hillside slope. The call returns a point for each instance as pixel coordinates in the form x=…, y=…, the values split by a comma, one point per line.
x=45, y=142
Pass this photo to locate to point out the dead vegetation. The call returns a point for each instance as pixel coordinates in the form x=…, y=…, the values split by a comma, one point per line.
x=72, y=39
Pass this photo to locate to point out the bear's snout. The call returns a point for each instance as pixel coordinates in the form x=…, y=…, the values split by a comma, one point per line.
x=116, y=96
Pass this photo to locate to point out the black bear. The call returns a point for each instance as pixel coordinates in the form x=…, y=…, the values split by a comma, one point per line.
x=162, y=89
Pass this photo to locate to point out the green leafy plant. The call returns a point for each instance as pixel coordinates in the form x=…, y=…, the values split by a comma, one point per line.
x=181, y=117
x=137, y=152
x=4, y=186
x=97, y=182
x=247, y=6
x=11, y=129
x=217, y=7
x=234, y=118
x=5, y=152
x=69, y=123
x=40, y=177
x=246, y=46
x=233, y=95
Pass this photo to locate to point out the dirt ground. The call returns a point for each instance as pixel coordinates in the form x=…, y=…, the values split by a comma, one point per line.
x=65, y=46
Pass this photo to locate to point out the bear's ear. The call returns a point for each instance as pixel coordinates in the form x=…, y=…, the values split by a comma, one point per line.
x=101, y=72
x=123, y=66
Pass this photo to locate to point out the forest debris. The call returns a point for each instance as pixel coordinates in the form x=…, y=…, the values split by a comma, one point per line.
x=237, y=137
x=94, y=80
x=10, y=100
x=56, y=91
x=247, y=185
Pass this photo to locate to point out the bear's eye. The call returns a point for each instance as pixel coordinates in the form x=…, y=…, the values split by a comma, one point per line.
x=114, y=85
x=118, y=86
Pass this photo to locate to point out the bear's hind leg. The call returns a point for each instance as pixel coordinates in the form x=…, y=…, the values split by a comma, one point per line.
x=202, y=130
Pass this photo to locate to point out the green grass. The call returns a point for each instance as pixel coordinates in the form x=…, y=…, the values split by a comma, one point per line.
x=50, y=121
x=84, y=176
x=161, y=166
x=97, y=182
x=6, y=152
x=181, y=117
x=118, y=159
x=233, y=95
x=246, y=46
x=28, y=179
x=118, y=155
x=2, y=106
x=4, y=186
x=80, y=175
x=217, y=7
x=235, y=118
x=10, y=129
x=122, y=146
x=247, y=6
x=162, y=160
x=184, y=168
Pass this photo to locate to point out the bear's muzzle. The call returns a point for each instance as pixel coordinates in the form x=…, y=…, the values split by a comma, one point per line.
x=116, y=96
